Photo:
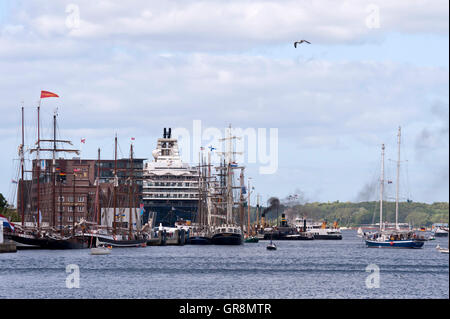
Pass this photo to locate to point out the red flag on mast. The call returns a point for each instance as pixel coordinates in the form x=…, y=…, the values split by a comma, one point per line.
x=45, y=94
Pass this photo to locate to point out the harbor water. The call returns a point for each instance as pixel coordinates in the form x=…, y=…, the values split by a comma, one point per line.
x=298, y=269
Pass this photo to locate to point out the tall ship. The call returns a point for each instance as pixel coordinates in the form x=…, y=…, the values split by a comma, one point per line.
x=396, y=238
x=65, y=203
x=227, y=207
x=170, y=189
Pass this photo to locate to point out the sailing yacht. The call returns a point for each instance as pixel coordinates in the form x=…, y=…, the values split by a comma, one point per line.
x=392, y=238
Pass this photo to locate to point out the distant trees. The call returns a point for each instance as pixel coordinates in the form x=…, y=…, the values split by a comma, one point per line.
x=354, y=214
x=3, y=202
x=9, y=213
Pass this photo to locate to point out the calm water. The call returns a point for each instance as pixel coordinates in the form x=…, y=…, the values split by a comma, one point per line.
x=302, y=269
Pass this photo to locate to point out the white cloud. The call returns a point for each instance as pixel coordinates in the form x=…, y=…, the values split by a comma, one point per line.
x=139, y=66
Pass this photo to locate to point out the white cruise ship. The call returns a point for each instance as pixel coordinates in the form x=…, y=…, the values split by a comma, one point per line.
x=170, y=187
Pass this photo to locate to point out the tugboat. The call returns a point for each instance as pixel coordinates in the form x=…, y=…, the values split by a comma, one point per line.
x=227, y=235
x=284, y=231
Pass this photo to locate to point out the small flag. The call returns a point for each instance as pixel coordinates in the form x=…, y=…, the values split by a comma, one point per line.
x=132, y=138
x=389, y=182
x=83, y=140
x=233, y=164
x=76, y=169
x=13, y=181
x=45, y=94
x=6, y=222
x=211, y=148
x=202, y=148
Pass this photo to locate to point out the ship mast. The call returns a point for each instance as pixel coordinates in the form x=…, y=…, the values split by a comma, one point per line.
x=115, y=186
x=22, y=168
x=130, y=217
x=54, y=172
x=241, y=200
x=38, y=167
x=248, y=209
x=381, y=187
x=97, y=194
x=73, y=204
x=229, y=182
x=398, y=179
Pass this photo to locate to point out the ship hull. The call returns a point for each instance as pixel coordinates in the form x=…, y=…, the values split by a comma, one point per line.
x=122, y=243
x=440, y=234
x=395, y=244
x=227, y=239
x=328, y=237
x=167, y=213
x=199, y=240
x=50, y=243
x=278, y=236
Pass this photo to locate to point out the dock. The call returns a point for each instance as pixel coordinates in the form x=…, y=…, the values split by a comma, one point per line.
x=8, y=247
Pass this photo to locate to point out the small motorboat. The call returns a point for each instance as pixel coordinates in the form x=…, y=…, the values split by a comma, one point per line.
x=251, y=239
x=271, y=246
x=101, y=250
x=442, y=250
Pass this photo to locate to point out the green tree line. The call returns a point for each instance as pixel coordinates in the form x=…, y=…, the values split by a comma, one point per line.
x=351, y=214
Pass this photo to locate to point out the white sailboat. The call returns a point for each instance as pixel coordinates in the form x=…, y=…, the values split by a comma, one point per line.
x=392, y=238
x=101, y=249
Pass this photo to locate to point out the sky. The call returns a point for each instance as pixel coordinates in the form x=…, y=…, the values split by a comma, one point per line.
x=133, y=67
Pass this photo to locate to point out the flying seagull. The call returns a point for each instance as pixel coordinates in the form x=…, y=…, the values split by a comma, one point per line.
x=300, y=42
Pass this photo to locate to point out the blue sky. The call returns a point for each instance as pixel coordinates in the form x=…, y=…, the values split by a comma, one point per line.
x=138, y=67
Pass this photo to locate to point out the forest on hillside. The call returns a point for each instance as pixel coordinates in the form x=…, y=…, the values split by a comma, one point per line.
x=347, y=214
x=354, y=214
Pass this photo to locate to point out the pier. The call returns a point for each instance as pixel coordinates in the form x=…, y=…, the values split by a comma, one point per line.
x=6, y=246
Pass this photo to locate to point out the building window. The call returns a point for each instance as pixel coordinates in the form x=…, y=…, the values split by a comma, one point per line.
x=80, y=208
x=80, y=199
x=60, y=198
x=70, y=218
x=70, y=209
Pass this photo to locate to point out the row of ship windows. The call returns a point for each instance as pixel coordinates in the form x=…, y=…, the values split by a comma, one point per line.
x=171, y=195
x=170, y=184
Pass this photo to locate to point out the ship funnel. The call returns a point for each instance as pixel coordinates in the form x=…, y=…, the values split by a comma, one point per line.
x=170, y=133
x=283, y=220
x=165, y=133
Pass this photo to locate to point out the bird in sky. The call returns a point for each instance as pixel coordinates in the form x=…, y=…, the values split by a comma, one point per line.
x=300, y=42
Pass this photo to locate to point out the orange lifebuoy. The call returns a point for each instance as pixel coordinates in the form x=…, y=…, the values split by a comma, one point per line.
x=392, y=243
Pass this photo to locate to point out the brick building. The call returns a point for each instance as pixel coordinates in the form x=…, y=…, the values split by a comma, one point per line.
x=74, y=193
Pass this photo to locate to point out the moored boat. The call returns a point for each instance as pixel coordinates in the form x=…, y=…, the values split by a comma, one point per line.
x=227, y=235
